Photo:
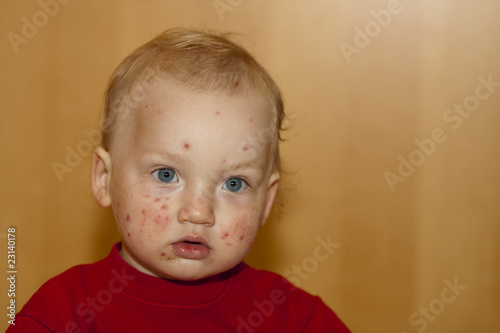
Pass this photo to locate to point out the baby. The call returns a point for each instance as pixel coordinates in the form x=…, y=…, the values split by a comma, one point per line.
x=189, y=162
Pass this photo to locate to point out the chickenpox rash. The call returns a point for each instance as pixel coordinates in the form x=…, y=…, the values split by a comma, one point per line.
x=163, y=254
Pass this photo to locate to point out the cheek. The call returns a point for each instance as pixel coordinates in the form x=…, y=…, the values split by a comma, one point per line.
x=242, y=232
x=147, y=217
x=156, y=216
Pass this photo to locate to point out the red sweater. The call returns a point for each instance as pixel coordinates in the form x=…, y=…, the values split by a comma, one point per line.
x=112, y=296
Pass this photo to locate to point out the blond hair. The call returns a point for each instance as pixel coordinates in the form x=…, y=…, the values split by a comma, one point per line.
x=201, y=61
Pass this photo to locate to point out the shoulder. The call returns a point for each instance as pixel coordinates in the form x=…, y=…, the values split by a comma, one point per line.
x=66, y=286
x=263, y=280
x=306, y=311
x=53, y=304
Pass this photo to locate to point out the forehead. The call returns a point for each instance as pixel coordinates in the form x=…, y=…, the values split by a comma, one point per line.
x=172, y=115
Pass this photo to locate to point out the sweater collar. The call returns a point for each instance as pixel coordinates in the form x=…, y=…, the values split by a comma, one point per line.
x=151, y=289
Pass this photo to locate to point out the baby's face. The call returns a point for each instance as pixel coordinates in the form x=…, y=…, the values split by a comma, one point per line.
x=190, y=182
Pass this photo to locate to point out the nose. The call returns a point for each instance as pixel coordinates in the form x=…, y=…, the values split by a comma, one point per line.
x=196, y=208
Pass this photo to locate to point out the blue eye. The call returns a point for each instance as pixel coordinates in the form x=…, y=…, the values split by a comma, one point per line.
x=234, y=184
x=166, y=175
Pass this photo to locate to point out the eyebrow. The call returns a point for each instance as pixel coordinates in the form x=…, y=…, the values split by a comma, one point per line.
x=170, y=155
x=231, y=165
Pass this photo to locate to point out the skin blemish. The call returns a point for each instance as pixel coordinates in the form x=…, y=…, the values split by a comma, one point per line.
x=157, y=199
x=163, y=254
x=245, y=148
x=228, y=244
x=128, y=234
x=225, y=235
x=164, y=207
x=147, y=195
x=217, y=113
x=128, y=217
x=160, y=218
x=250, y=120
x=187, y=145
x=144, y=212
x=242, y=237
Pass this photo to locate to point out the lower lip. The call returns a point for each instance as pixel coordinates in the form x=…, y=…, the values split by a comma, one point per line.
x=190, y=250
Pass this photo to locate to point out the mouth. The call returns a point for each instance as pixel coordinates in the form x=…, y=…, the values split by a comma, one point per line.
x=191, y=247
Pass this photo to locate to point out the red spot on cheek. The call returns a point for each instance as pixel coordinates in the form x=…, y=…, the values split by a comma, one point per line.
x=217, y=112
x=128, y=217
x=250, y=120
x=143, y=212
x=164, y=207
x=245, y=148
x=147, y=195
x=163, y=254
x=225, y=235
x=241, y=237
x=128, y=234
x=187, y=145
x=157, y=199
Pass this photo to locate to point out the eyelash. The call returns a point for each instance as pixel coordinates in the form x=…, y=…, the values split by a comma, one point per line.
x=245, y=183
x=157, y=175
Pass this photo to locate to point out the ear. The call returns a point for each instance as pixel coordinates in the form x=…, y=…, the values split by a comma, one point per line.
x=272, y=189
x=101, y=175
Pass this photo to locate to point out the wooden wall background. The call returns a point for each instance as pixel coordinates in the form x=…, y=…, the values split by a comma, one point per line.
x=356, y=114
